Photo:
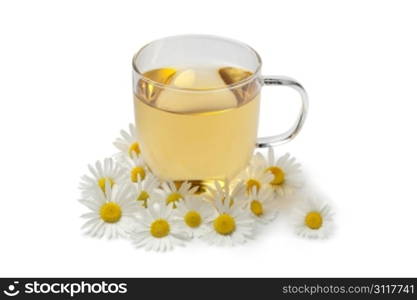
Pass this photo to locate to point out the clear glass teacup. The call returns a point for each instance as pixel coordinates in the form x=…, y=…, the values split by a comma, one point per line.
x=197, y=106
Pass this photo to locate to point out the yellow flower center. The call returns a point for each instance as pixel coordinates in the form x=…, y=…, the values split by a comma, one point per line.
x=252, y=183
x=110, y=212
x=102, y=183
x=279, y=175
x=173, y=198
x=256, y=208
x=137, y=171
x=143, y=196
x=224, y=224
x=160, y=228
x=192, y=219
x=134, y=149
x=313, y=220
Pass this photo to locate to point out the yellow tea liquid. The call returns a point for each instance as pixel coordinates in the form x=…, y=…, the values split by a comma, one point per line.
x=202, y=132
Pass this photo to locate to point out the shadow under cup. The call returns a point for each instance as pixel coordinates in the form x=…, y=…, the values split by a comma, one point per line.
x=196, y=106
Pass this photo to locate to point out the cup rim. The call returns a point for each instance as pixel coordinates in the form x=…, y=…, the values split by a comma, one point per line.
x=214, y=89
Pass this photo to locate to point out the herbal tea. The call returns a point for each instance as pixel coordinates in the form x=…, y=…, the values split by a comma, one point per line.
x=197, y=123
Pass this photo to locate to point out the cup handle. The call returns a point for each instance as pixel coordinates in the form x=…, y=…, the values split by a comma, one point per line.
x=295, y=129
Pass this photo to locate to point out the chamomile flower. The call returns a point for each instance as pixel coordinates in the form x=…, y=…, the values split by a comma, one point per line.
x=254, y=176
x=313, y=219
x=136, y=167
x=286, y=173
x=157, y=229
x=226, y=192
x=111, y=212
x=194, y=213
x=260, y=204
x=175, y=192
x=128, y=144
x=147, y=189
x=101, y=173
x=231, y=224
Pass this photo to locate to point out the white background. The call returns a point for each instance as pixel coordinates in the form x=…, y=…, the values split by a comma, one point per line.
x=65, y=92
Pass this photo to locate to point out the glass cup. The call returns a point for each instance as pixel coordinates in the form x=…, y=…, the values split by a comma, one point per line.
x=197, y=102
